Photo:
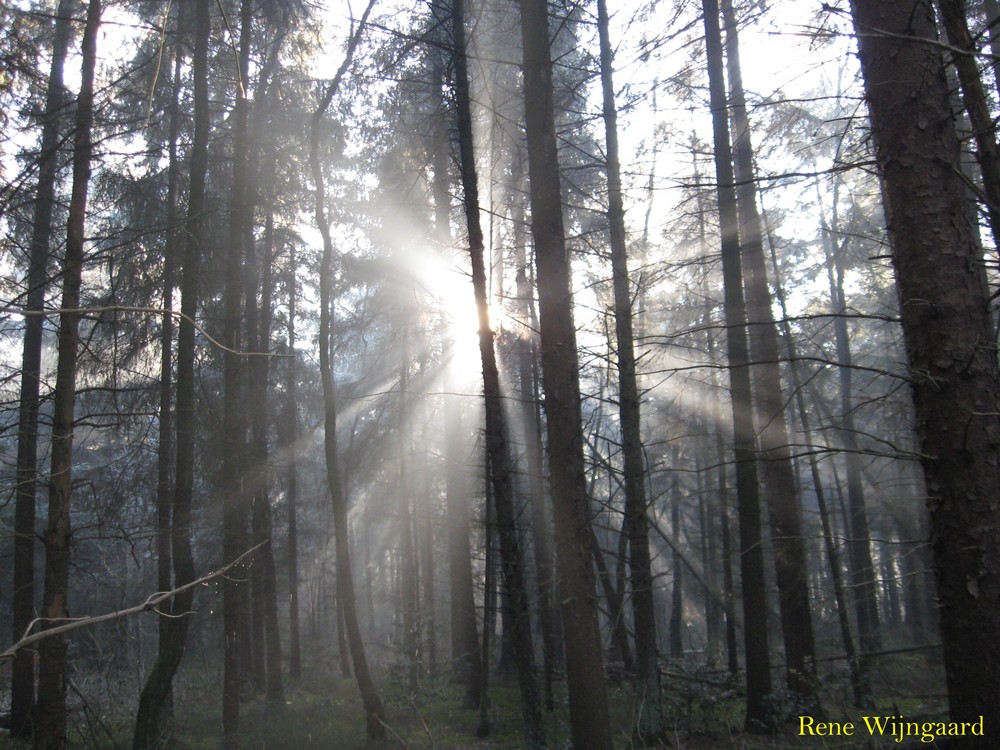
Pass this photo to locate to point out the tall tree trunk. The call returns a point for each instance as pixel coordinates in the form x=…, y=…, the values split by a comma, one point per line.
x=709, y=532
x=425, y=531
x=259, y=375
x=237, y=617
x=22, y=680
x=758, y=714
x=165, y=445
x=977, y=105
x=50, y=730
x=992, y=10
x=676, y=629
x=859, y=686
x=409, y=581
x=588, y=705
x=259, y=322
x=374, y=714
x=497, y=444
x=466, y=664
x=156, y=692
x=858, y=547
x=541, y=535
x=945, y=314
x=777, y=473
x=650, y=725
x=489, y=607
x=291, y=483
x=531, y=417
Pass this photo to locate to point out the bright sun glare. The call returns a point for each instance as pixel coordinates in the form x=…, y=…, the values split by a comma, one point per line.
x=449, y=287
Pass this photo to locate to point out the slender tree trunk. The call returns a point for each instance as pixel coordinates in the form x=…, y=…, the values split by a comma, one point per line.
x=722, y=470
x=758, y=715
x=263, y=521
x=531, y=417
x=676, y=630
x=859, y=548
x=165, y=448
x=374, y=714
x=489, y=608
x=859, y=686
x=409, y=583
x=992, y=10
x=22, y=681
x=291, y=483
x=50, y=730
x=947, y=329
x=241, y=637
x=777, y=473
x=156, y=692
x=541, y=535
x=615, y=598
x=709, y=531
x=425, y=530
x=466, y=663
x=497, y=444
x=588, y=705
x=650, y=725
x=977, y=105
x=465, y=647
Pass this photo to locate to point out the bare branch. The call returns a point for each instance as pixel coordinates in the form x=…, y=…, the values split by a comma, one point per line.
x=151, y=604
x=148, y=310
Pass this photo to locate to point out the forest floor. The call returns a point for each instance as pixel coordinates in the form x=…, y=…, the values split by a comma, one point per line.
x=326, y=714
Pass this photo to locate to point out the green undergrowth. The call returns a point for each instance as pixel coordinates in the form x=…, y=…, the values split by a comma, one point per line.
x=703, y=711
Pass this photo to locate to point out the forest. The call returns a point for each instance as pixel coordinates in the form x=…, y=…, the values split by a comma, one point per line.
x=499, y=374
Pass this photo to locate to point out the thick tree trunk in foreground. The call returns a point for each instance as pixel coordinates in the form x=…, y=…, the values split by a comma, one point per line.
x=497, y=444
x=50, y=729
x=22, y=680
x=588, y=705
x=758, y=714
x=945, y=314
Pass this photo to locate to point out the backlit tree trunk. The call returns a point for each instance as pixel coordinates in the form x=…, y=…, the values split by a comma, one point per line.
x=50, y=729
x=152, y=701
x=22, y=680
x=650, y=726
x=777, y=473
x=758, y=714
x=501, y=467
x=374, y=713
x=588, y=705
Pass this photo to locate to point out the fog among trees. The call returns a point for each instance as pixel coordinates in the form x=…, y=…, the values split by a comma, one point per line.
x=499, y=373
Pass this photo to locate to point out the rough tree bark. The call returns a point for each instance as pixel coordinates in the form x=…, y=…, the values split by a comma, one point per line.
x=944, y=307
